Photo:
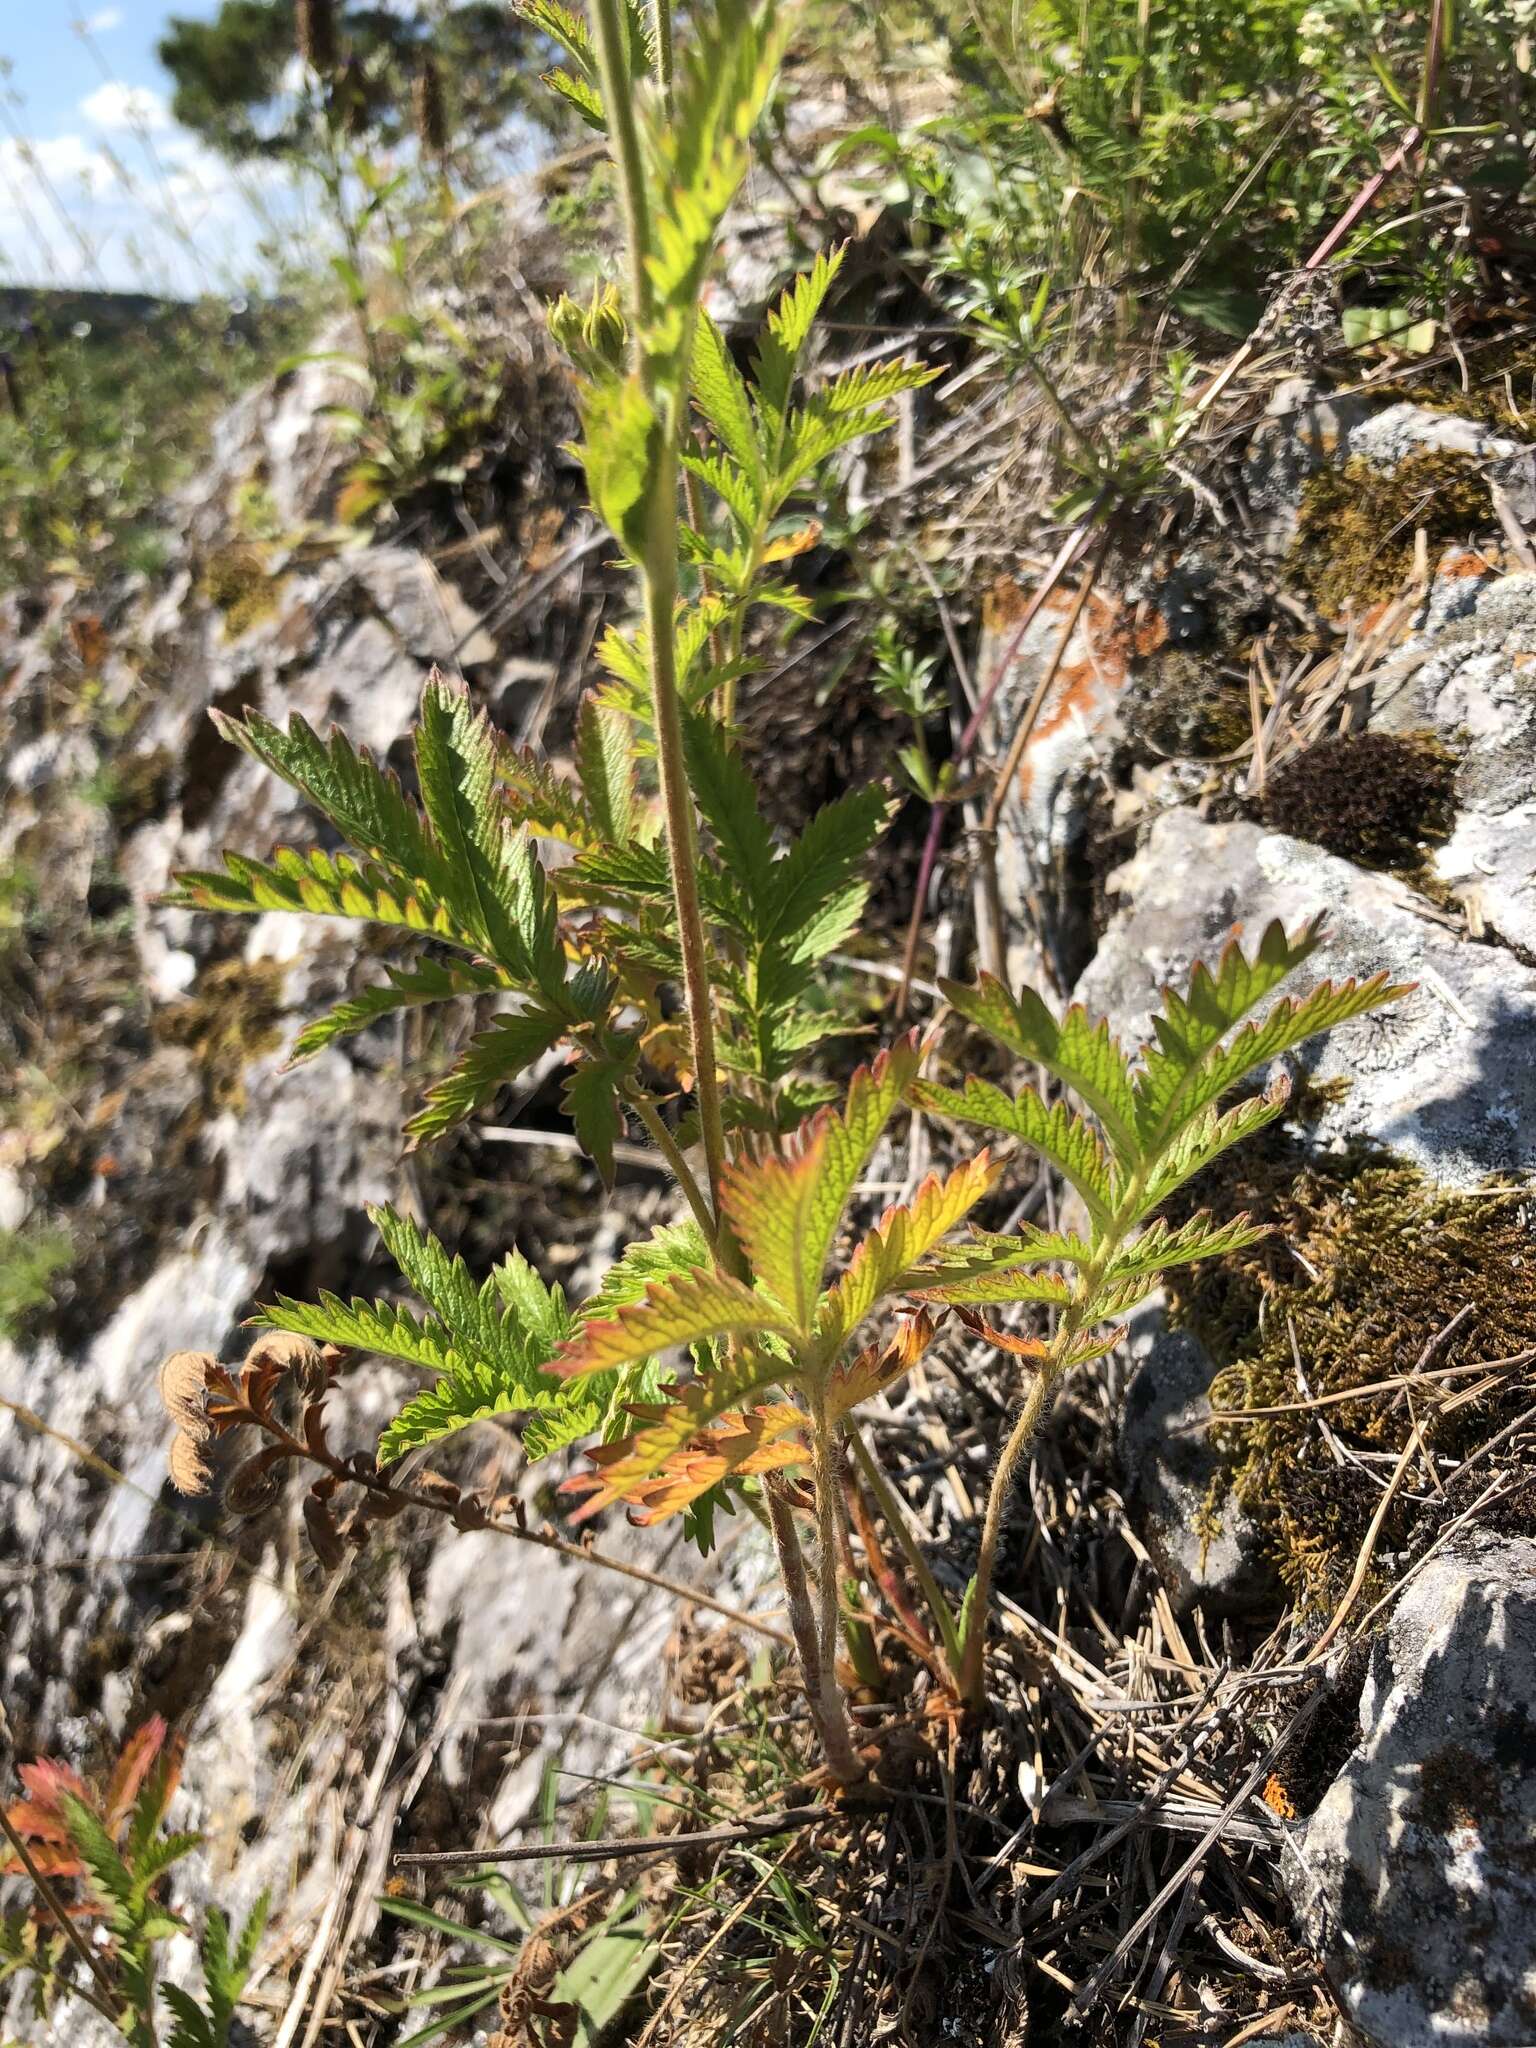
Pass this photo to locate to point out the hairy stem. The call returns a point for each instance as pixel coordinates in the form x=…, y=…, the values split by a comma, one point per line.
x=836, y=1741
x=1079, y=1311
x=661, y=29
x=896, y=1521
x=841, y=1760
x=658, y=569
x=974, y=1659
x=670, y=1150
x=682, y=832
x=624, y=141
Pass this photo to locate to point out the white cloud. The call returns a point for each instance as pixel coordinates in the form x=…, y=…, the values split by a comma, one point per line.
x=130, y=225
x=103, y=21
x=117, y=107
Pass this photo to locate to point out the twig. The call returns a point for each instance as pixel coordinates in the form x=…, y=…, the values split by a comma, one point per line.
x=601, y=1850
x=1090, y=1992
x=566, y=1141
x=1026, y=724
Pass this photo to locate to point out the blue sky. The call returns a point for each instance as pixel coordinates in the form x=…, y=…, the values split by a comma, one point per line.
x=97, y=184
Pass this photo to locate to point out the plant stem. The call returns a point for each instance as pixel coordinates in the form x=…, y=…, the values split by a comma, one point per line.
x=836, y=1742
x=1107, y=1240
x=670, y=1150
x=974, y=1659
x=896, y=1522
x=841, y=1760
x=682, y=831
x=624, y=141
x=661, y=29
x=658, y=569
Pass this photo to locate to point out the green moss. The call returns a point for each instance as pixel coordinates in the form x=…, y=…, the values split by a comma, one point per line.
x=237, y=581
x=1376, y=798
x=1355, y=534
x=232, y=1017
x=32, y=1260
x=1502, y=375
x=1367, y=1264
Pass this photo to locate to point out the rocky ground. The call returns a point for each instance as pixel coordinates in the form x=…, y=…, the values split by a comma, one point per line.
x=1224, y=742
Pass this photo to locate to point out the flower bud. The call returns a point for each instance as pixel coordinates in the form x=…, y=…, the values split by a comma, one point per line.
x=595, y=337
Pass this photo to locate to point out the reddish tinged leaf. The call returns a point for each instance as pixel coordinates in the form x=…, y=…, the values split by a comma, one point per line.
x=680, y=1310
x=786, y=1211
x=879, y=1366
x=737, y=1444
x=1018, y=1347
x=133, y=1766
x=886, y=1261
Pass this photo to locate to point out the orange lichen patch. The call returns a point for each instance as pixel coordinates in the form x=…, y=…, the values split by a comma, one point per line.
x=1460, y=568
x=1087, y=685
x=1004, y=604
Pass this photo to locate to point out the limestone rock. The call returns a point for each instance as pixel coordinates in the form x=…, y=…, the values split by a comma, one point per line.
x=1416, y=1876
x=1445, y=1078
x=1468, y=675
x=1169, y=1464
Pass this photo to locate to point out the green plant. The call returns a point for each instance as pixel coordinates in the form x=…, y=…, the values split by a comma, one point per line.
x=693, y=889
x=112, y=1843
x=96, y=427
x=580, y=1954
x=904, y=680
x=32, y=1258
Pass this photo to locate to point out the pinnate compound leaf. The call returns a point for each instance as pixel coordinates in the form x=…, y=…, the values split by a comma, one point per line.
x=988, y=1290
x=1071, y=1145
x=510, y=1335
x=672, y=1249
x=886, y=1260
x=824, y=860
x=593, y=1102
x=879, y=1366
x=657, y=1476
x=785, y=1210
x=1192, y=1024
x=538, y=798
x=494, y=1058
x=605, y=761
x=788, y=329
x=323, y=885
x=364, y=802
x=473, y=1390
x=681, y=1310
x=1158, y=1248
x=1208, y=1136
x=727, y=796
x=497, y=879
x=620, y=437
x=1289, y=1022
x=1081, y=1054
x=357, y=1325
x=721, y=395
x=430, y=981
